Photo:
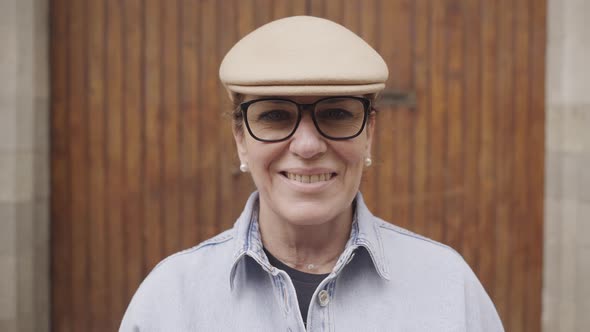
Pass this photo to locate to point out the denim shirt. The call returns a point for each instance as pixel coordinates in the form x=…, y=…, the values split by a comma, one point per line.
x=386, y=279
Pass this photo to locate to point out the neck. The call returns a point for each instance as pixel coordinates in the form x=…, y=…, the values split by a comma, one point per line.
x=308, y=248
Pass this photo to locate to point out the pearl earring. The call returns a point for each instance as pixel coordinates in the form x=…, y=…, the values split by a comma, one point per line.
x=243, y=168
x=368, y=162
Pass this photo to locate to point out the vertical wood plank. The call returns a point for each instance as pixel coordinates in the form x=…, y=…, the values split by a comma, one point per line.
x=61, y=241
x=350, y=15
x=189, y=146
x=504, y=160
x=333, y=10
x=246, y=19
x=536, y=168
x=435, y=178
x=521, y=206
x=134, y=173
x=208, y=124
x=281, y=8
x=263, y=11
x=384, y=132
x=454, y=193
x=317, y=8
x=298, y=7
x=369, y=22
x=486, y=166
x=79, y=176
x=401, y=79
x=227, y=206
x=472, y=89
x=421, y=131
x=114, y=166
x=153, y=133
x=171, y=126
x=98, y=302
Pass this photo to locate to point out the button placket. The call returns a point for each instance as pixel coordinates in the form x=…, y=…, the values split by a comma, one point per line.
x=288, y=295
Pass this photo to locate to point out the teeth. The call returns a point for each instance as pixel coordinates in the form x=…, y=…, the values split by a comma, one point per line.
x=309, y=178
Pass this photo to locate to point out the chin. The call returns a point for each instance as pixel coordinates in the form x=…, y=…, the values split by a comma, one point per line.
x=310, y=213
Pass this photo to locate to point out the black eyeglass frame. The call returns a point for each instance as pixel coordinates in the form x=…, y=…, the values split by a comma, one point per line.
x=311, y=107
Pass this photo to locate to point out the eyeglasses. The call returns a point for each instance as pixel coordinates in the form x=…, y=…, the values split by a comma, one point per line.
x=275, y=119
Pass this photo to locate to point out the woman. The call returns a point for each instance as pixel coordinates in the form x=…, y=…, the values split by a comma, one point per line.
x=306, y=253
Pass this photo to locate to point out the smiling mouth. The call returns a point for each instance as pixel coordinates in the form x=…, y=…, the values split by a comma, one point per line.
x=309, y=178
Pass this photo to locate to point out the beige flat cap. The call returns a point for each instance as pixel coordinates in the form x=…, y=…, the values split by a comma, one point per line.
x=303, y=55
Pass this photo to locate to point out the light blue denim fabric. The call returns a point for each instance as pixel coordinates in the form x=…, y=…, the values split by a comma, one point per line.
x=387, y=279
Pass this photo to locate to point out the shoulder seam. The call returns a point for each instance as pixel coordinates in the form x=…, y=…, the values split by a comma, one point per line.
x=402, y=231
x=218, y=239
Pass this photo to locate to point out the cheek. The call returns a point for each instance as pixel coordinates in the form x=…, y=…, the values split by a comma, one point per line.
x=262, y=155
x=351, y=154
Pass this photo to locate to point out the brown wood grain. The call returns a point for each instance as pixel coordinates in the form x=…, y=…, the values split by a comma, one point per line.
x=189, y=98
x=171, y=127
x=333, y=10
x=263, y=11
x=350, y=14
x=421, y=133
x=454, y=192
x=98, y=295
x=401, y=17
x=143, y=160
x=384, y=133
x=209, y=117
x=229, y=163
x=298, y=7
x=487, y=141
x=152, y=99
x=521, y=130
x=536, y=166
x=78, y=203
x=115, y=146
x=504, y=160
x=134, y=167
x=61, y=242
x=437, y=122
x=280, y=8
x=470, y=244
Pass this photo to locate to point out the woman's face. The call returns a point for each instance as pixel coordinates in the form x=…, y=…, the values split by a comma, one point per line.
x=306, y=179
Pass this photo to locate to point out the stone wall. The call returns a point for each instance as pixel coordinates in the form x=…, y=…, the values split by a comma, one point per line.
x=24, y=166
x=566, y=291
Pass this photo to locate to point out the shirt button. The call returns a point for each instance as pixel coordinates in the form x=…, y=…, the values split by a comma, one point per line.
x=324, y=297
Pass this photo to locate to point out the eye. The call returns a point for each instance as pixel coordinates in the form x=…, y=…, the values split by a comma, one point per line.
x=335, y=114
x=274, y=116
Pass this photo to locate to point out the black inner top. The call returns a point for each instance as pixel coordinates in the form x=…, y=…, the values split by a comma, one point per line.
x=305, y=283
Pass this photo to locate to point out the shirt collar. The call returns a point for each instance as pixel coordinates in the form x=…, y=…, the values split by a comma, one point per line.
x=365, y=233
x=368, y=236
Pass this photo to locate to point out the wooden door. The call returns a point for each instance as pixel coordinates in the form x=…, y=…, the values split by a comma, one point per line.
x=143, y=162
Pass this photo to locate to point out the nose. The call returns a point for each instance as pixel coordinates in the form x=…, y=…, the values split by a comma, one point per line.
x=307, y=142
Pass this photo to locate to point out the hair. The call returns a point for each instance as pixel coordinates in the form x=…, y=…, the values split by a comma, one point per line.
x=236, y=114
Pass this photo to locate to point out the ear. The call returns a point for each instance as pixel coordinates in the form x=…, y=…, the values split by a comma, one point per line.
x=240, y=139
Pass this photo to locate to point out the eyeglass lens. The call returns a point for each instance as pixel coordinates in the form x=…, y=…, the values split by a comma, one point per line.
x=275, y=119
